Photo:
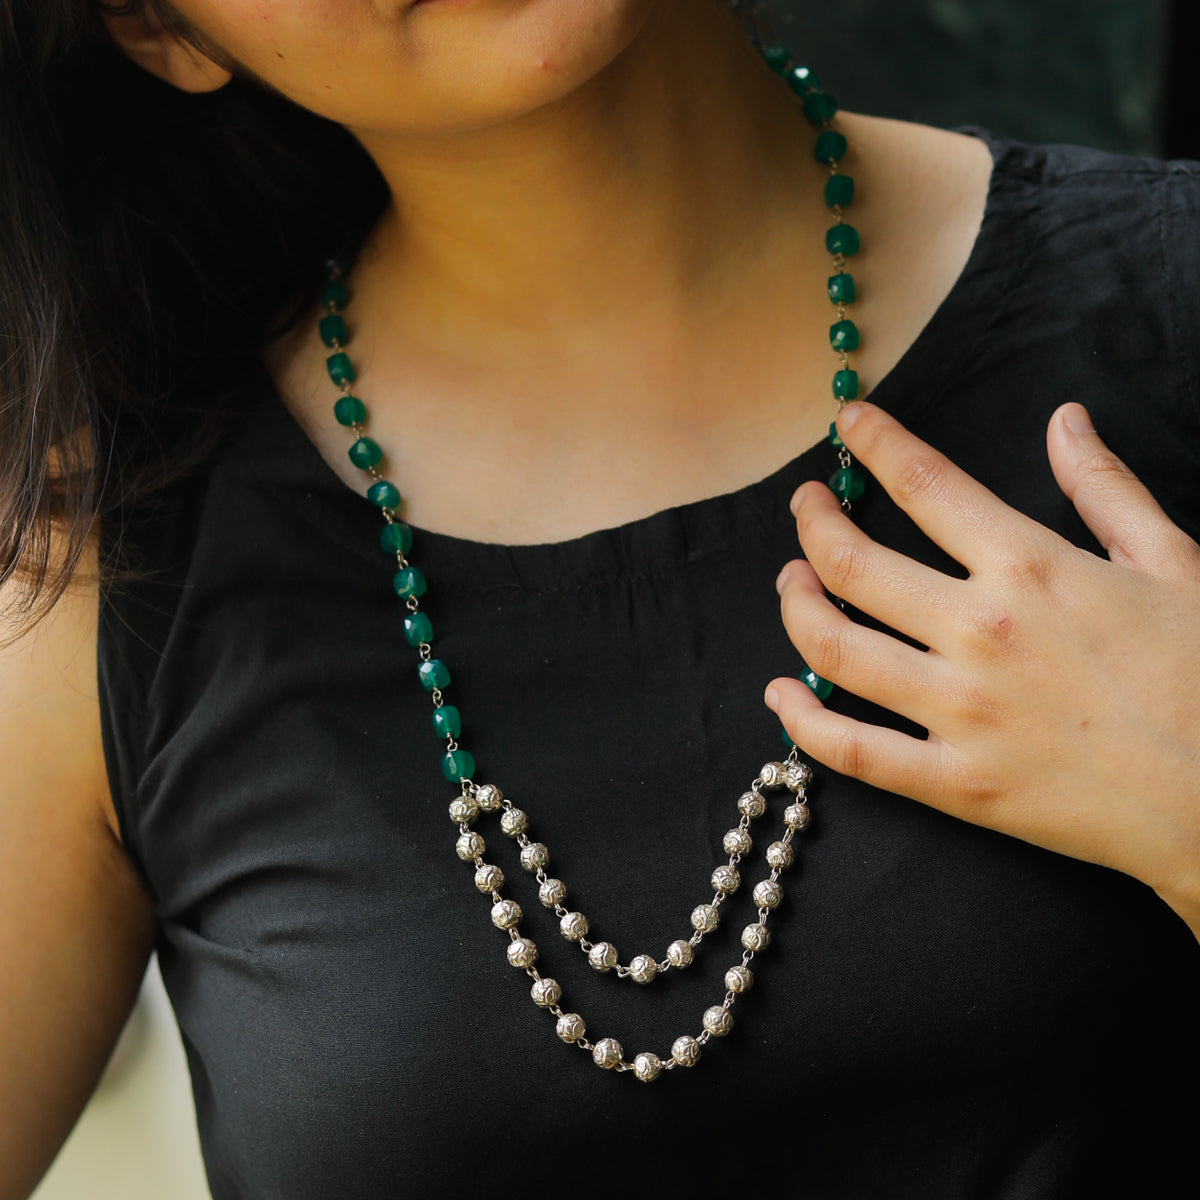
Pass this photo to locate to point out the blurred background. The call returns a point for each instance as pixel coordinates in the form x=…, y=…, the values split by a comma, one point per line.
x=1111, y=73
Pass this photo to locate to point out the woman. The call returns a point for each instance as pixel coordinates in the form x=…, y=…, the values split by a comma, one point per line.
x=588, y=318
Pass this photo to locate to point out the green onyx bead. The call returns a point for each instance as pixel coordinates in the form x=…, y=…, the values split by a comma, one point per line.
x=446, y=721
x=458, y=765
x=408, y=582
x=366, y=452
x=341, y=369
x=802, y=81
x=843, y=239
x=821, y=688
x=337, y=266
x=820, y=107
x=418, y=628
x=396, y=538
x=842, y=289
x=845, y=385
x=847, y=483
x=778, y=58
x=843, y=336
x=333, y=330
x=349, y=410
x=839, y=191
x=384, y=494
x=334, y=294
x=831, y=147
x=433, y=675
x=835, y=438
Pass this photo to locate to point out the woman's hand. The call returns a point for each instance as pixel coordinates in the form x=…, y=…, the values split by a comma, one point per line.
x=1061, y=691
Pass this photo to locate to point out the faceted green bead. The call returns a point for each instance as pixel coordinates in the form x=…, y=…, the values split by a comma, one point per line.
x=334, y=294
x=842, y=289
x=446, y=721
x=831, y=147
x=433, y=674
x=333, y=330
x=341, y=369
x=820, y=107
x=409, y=582
x=835, y=438
x=396, y=538
x=843, y=336
x=787, y=739
x=845, y=385
x=821, y=688
x=458, y=765
x=802, y=80
x=778, y=58
x=843, y=239
x=349, y=410
x=418, y=628
x=847, y=483
x=384, y=494
x=366, y=452
x=839, y=191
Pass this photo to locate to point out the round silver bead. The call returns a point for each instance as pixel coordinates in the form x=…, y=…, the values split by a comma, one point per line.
x=514, y=822
x=705, y=918
x=680, y=954
x=797, y=816
x=756, y=937
x=726, y=879
x=686, y=1051
x=535, y=856
x=647, y=1067
x=781, y=855
x=489, y=878
x=574, y=926
x=489, y=797
x=522, y=953
x=797, y=776
x=464, y=810
x=718, y=1020
x=751, y=804
x=506, y=914
x=603, y=956
x=469, y=847
x=552, y=892
x=739, y=979
x=736, y=841
x=545, y=992
x=570, y=1027
x=767, y=894
x=607, y=1052
x=643, y=968
x=772, y=775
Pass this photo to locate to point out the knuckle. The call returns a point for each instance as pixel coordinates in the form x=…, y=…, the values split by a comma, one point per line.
x=921, y=476
x=1032, y=566
x=847, y=755
x=990, y=625
x=841, y=566
x=826, y=651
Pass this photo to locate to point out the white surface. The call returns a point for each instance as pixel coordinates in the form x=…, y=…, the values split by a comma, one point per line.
x=136, y=1139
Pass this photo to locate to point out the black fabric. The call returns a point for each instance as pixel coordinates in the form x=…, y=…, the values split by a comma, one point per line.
x=944, y=1012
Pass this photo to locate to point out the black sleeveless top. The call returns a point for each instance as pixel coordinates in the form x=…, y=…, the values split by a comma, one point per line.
x=944, y=1012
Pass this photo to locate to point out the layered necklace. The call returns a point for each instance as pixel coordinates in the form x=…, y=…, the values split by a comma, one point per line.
x=789, y=777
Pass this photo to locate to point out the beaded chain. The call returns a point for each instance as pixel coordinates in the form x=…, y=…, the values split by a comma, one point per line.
x=458, y=765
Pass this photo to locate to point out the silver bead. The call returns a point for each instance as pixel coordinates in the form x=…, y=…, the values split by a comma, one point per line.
x=781, y=855
x=545, y=992
x=797, y=776
x=535, y=856
x=574, y=926
x=489, y=878
x=570, y=1027
x=686, y=1051
x=751, y=804
x=514, y=822
x=647, y=1067
x=767, y=894
x=772, y=775
x=552, y=892
x=464, y=810
x=797, y=816
x=705, y=918
x=726, y=879
x=739, y=979
x=736, y=841
x=643, y=968
x=522, y=953
x=680, y=954
x=756, y=937
x=607, y=1052
x=489, y=797
x=718, y=1020
x=469, y=847
x=603, y=956
x=506, y=914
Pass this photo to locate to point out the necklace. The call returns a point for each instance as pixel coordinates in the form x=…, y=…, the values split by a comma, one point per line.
x=791, y=776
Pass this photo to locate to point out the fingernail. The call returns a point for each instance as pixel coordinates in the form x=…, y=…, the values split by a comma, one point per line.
x=782, y=578
x=797, y=500
x=849, y=415
x=1077, y=420
x=771, y=699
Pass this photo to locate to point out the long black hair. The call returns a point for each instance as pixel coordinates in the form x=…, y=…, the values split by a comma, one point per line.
x=150, y=243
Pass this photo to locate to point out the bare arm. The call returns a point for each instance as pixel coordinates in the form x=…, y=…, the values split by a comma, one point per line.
x=76, y=925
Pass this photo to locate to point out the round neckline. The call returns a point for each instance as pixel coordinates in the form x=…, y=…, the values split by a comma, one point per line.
x=295, y=471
